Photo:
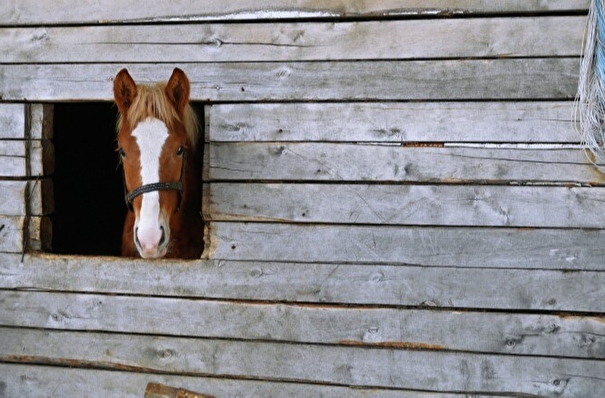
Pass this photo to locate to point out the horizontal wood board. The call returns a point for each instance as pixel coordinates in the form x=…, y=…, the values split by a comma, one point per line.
x=496, y=79
x=31, y=12
x=372, y=163
x=332, y=365
x=394, y=122
x=510, y=333
x=38, y=195
x=521, y=206
x=19, y=234
x=371, y=283
x=26, y=158
x=33, y=380
x=26, y=121
x=407, y=39
x=527, y=248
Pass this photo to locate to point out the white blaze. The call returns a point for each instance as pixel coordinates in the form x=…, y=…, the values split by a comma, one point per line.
x=150, y=136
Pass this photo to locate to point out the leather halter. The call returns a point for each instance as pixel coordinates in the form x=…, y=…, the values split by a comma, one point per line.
x=157, y=186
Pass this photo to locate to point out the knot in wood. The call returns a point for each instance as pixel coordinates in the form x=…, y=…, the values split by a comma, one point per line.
x=377, y=277
x=40, y=35
x=59, y=316
x=553, y=328
x=165, y=354
x=512, y=342
x=216, y=42
x=283, y=73
x=280, y=150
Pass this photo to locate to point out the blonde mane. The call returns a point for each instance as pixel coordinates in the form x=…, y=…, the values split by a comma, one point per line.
x=151, y=101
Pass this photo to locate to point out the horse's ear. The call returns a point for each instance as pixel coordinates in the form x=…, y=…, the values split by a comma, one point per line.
x=124, y=90
x=177, y=90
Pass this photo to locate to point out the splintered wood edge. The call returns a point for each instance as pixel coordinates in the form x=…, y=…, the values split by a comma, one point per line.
x=210, y=242
x=157, y=390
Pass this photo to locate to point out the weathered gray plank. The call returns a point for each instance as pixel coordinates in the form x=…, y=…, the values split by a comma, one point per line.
x=519, y=206
x=352, y=366
x=15, y=193
x=535, y=78
x=456, y=247
x=377, y=327
x=16, y=216
x=26, y=121
x=287, y=161
x=26, y=158
x=407, y=39
x=372, y=283
x=359, y=284
x=533, y=122
x=31, y=12
x=12, y=121
x=47, y=381
x=12, y=232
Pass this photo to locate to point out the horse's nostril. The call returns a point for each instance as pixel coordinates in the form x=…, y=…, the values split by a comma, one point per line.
x=136, y=236
x=163, y=238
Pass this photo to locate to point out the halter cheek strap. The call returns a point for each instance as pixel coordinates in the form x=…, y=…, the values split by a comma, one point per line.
x=157, y=186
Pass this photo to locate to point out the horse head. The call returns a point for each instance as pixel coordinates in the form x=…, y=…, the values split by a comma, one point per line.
x=156, y=131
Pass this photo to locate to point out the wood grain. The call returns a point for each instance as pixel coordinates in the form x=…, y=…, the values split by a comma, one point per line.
x=156, y=390
x=525, y=248
x=367, y=162
x=26, y=158
x=397, y=203
x=408, y=39
x=68, y=381
x=504, y=333
x=16, y=193
x=502, y=79
x=431, y=122
x=13, y=229
x=31, y=12
x=332, y=365
x=371, y=283
x=520, y=206
x=26, y=121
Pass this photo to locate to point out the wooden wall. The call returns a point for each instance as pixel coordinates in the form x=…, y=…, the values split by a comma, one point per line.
x=397, y=203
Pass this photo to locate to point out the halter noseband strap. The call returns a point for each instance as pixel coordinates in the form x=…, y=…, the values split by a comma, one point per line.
x=157, y=186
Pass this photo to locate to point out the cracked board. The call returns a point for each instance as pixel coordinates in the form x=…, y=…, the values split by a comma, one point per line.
x=506, y=333
x=36, y=381
x=32, y=12
x=339, y=365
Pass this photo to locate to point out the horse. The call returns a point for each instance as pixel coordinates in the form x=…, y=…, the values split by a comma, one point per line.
x=157, y=135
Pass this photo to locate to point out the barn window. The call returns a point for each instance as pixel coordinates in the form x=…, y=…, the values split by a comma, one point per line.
x=89, y=206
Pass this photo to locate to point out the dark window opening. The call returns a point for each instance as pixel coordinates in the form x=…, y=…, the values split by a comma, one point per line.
x=88, y=189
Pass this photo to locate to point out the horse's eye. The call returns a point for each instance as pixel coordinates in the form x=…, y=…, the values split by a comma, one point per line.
x=121, y=152
x=180, y=150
